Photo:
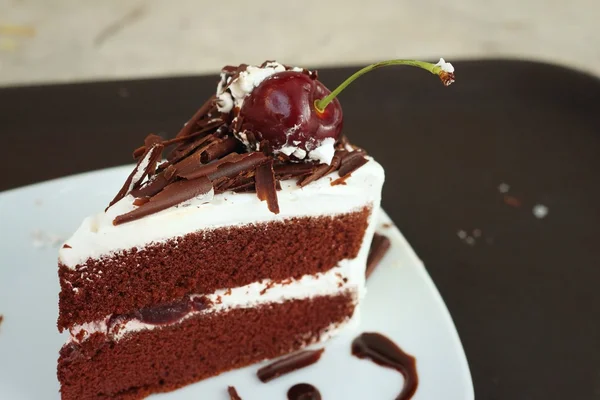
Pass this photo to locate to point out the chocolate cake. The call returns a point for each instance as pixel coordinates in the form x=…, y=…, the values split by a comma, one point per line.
x=243, y=238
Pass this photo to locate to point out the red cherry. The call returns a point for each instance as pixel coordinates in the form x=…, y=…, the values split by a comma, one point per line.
x=281, y=110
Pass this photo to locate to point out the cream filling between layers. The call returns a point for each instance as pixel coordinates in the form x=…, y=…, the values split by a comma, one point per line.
x=97, y=237
x=349, y=275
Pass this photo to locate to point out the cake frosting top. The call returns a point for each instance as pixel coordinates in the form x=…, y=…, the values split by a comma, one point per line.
x=97, y=236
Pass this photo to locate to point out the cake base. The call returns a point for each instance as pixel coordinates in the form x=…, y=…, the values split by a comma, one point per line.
x=170, y=357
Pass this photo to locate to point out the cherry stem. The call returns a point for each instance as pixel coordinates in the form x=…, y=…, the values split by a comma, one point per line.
x=321, y=104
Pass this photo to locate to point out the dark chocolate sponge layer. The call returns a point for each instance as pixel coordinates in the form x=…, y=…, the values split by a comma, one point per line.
x=167, y=358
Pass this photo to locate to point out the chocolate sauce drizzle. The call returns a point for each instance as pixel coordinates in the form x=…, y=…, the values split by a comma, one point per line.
x=303, y=391
x=206, y=156
x=288, y=364
x=386, y=353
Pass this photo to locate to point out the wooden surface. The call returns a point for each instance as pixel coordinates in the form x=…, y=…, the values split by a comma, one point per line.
x=524, y=295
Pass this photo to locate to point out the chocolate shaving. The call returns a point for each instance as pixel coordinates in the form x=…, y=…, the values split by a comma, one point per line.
x=293, y=170
x=239, y=184
x=137, y=153
x=134, y=180
x=196, y=170
x=247, y=188
x=208, y=124
x=170, y=172
x=350, y=163
x=336, y=161
x=265, y=186
x=141, y=201
x=188, y=164
x=379, y=246
x=205, y=127
x=319, y=172
x=202, y=112
x=149, y=141
x=323, y=169
x=202, y=129
x=184, y=150
x=66, y=246
x=233, y=394
x=246, y=162
x=156, y=184
x=152, y=139
x=162, y=166
x=173, y=194
x=219, y=148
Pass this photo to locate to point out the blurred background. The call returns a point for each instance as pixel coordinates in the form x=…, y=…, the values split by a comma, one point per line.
x=75, y=40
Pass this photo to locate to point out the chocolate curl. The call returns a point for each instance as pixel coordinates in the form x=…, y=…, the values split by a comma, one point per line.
x=141, y=201
x=293, y=170
x=203, y=127
x=137, y=153
x=379, y=246
x=206, y=126
x=245, y=163
x=193, y=135
x=240, y=183
x=173, y=194
x=185, y=150
x=188, y=164
x=149, y=141
x=265, y=186
x=319, y=172
x=190, y=126
x=351, y=162
x=196, y=170
x=144, y=165
x=158, y=183
x=218, y=149
x=323, y=169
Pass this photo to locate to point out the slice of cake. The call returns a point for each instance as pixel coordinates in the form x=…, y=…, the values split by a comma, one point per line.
x=243, y=238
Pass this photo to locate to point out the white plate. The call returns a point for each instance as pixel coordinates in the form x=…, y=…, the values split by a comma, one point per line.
x=402, y=303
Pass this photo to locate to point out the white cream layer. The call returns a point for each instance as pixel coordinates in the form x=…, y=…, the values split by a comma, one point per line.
x=97, y=237
x=349, y=275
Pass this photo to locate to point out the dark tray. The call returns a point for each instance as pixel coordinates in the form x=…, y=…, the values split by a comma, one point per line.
x=525, y=296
